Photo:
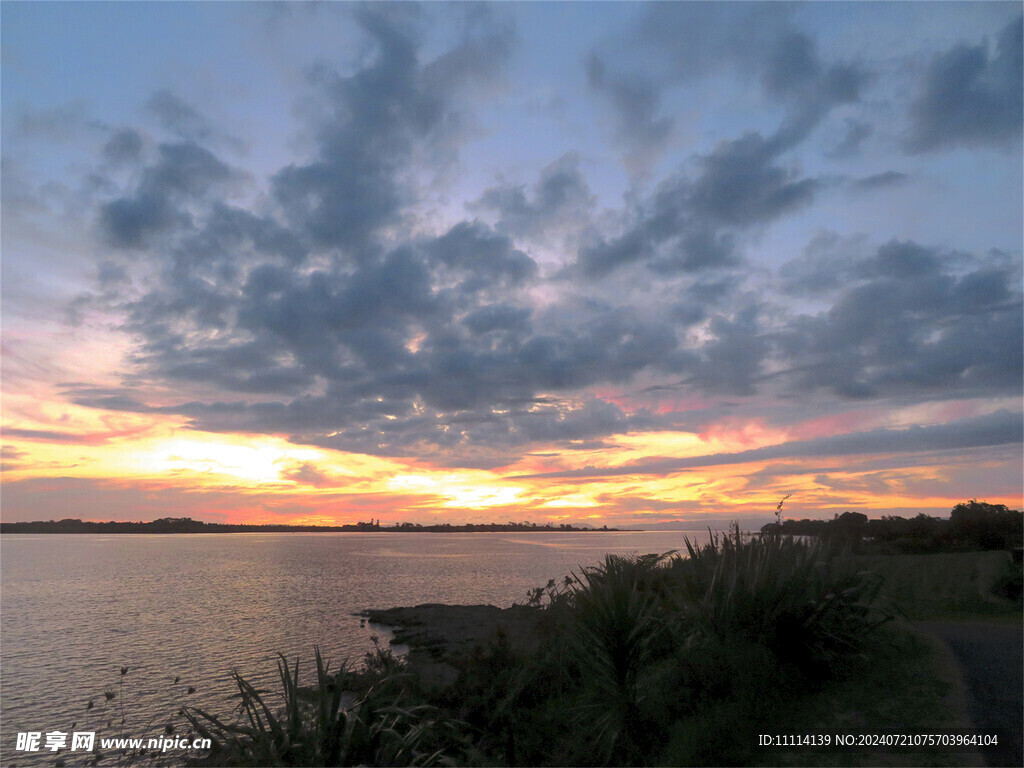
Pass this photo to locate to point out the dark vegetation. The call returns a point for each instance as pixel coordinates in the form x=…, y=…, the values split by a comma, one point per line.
x=973, y=525
x=188, y=525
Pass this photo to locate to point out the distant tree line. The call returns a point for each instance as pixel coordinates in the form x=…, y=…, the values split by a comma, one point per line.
x=972, y=525
x=188, y=525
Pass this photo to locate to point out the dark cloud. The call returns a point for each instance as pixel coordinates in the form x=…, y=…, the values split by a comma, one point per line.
x=857, y=132
x=125, y=146
x=12, y=458
x=795, y=75
x=45, y=435
x=487, y=258
x=635, y=100
x=60, y=123
x=315, y=314
x=907, y=322
x=690, y=225
x=181, y=173
x=1000, y=428
x=741, y=186
x=731, y=360
x=686, y=42
x=307, y=473
x=179, y=117
x=828, y=262
x=700, y=38
x=972, y=96
x=561, y=196
x=378, y=118
x=402, y=363
x=880, y=181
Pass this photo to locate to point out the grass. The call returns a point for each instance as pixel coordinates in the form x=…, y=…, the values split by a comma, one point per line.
x=924, y=696
x=952, y=585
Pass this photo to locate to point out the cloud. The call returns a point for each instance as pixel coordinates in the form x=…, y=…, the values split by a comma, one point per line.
x=972, y=96
x=560, y=196
x=687, y=42
x=904, y=322
x=378, y=119
x=731, y=360
x=740, y=186
x=179, y=117
x=880, y=181
x=45, y=435
x=182, y=173
x=485, y=257
x=635, y=100
x=307, y=473
x=1000, y=428
x=691, y=224
x=340, y=306
x=857, y=132
x=827, y=263
x=125, y=146
x=61, y=123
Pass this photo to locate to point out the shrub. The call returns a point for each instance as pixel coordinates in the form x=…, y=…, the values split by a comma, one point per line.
x=616, y=625
x=1009, y=584
x=784, y=593
x=317, y=727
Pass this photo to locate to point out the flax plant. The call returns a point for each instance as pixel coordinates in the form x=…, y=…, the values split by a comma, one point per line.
x=616, y=626
x=316, y=728
x=783, y=593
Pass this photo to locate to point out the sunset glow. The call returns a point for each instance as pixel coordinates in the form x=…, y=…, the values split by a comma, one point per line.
x=616, y=264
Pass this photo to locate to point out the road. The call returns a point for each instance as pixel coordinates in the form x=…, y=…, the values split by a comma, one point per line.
x=991, y=658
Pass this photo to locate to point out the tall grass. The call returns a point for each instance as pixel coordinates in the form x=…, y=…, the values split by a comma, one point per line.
x=667, y=636
x=616, y=623
x=318, y=727
x=786, y=594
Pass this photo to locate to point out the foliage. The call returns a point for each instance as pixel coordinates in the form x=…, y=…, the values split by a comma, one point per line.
x=1009, y=583
x=985, y=526
x=615, y=627
x=318, y=727
x=669, y=649
x=785, y=594
x=972, y=525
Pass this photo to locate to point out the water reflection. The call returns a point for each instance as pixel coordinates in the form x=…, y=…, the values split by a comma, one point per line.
x=74, y=609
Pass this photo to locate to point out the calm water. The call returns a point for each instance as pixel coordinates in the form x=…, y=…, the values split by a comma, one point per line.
x=74, y=609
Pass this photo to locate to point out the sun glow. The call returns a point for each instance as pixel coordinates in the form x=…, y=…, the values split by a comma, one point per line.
x=458, y=490
x=254, y=462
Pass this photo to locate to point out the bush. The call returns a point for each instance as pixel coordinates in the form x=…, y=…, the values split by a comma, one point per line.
x=616, y=623
x=317, y=727
x=780, y=592
x=1009, y=584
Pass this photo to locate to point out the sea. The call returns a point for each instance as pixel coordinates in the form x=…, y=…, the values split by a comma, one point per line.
x=160, y=621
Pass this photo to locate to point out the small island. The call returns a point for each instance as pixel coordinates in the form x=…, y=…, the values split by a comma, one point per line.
x=188, y=525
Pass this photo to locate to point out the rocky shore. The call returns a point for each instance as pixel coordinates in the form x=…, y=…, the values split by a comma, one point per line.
x=437, y=632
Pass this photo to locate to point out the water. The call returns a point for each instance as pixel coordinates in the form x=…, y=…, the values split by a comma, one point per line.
x=74, y=609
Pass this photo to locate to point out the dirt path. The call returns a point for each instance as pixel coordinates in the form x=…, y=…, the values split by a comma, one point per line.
x=991, y=658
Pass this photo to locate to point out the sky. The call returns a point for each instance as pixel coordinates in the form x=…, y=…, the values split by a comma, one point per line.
x=625, y=264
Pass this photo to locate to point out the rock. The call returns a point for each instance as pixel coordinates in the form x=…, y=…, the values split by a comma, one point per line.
x=447, y=632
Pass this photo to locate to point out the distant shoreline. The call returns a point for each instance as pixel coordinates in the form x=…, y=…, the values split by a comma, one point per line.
x=187, y=525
